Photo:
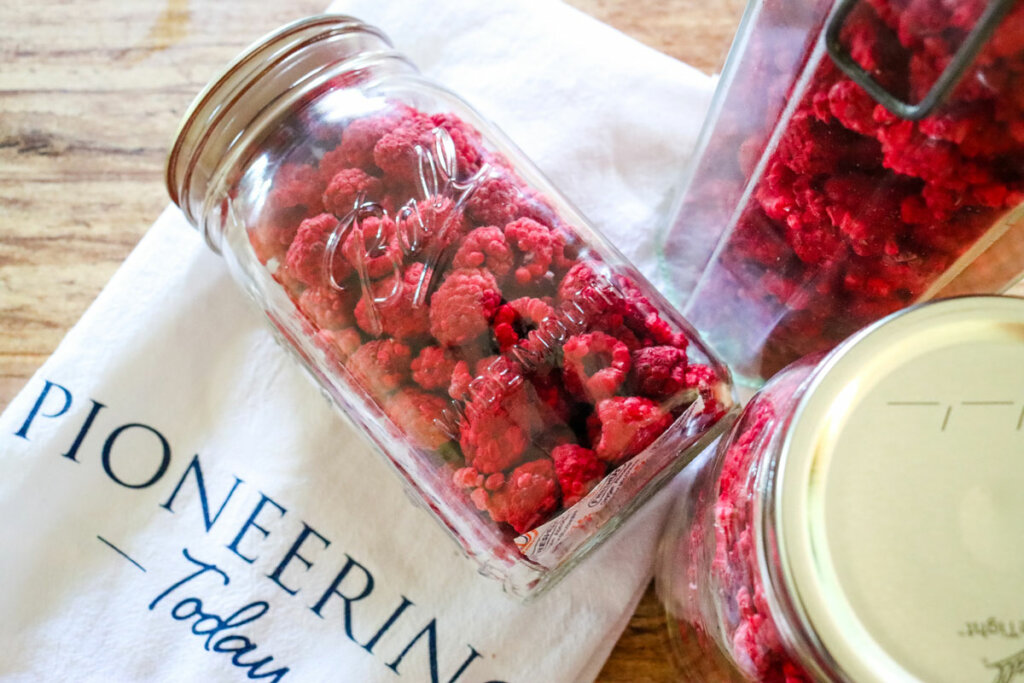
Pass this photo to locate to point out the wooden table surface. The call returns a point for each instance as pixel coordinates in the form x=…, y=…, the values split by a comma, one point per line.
x=90, y=95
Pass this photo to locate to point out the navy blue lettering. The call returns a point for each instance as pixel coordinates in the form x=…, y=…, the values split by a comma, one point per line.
x=293, y=553
x=406, y=603
x=165, y=456
x=23, y=432
x=251, y=522
x=73, y=451
x=348, y=599
x=211, y=625
x=203, y=568
x=197, y=472
x=430, y=631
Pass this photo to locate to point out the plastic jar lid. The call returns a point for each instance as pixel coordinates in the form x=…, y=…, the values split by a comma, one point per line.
x=900, y=497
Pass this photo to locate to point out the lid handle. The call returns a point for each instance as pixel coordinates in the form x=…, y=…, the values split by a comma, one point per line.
x=978, y=36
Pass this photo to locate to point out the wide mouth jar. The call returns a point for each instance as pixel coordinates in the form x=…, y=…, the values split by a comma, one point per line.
x=861, y=522
x=530, y=387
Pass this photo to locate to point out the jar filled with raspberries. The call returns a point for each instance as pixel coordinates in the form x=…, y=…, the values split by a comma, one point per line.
x=861, y=156
x=861, y=521
x=526, y=382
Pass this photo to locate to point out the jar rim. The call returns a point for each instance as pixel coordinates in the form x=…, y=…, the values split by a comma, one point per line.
x=230, y=88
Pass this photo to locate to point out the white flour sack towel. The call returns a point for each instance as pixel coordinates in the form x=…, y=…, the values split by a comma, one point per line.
x=180, y=503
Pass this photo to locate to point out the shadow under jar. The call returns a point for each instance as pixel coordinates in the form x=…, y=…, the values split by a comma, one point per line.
x=862, y=519
x=860, y=156
x=528, y=384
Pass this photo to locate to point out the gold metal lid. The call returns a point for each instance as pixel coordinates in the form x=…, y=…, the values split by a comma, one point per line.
x=900, y=497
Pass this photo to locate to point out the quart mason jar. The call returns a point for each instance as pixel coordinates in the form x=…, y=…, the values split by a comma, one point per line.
x=862, y=521
x=528, y=384
x=860, y=156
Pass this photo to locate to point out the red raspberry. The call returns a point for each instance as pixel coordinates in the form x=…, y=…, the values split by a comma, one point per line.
x=390, y=306
x=273, y=233
x=340, y=344
x=428, y=227
x=306, y=256
x=296, y=185
x=396, y=152
x=432, y=368
x=500, y=418
x=528, y=497
x=495, y=201
x=516, y=319
x=372, y=246
x=419, y=415
x=626, y=426
x=462, y=307
x=346, y=187
x=461, y=379
x=659, y=372
x=535, y=242
x=467, y=478
x=596, y=365
x=485, y=248
x=468, y=143
x=380, y=366
x=579, y=470
x=853, y=107
x=357, y=143
x=328, y=308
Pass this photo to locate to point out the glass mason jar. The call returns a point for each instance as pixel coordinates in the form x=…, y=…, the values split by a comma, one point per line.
x=528, y=384
x=859, y=156
x=862, y=519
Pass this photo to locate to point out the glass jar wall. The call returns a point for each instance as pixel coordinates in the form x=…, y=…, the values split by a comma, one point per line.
x=814, y=207
x=529, y=385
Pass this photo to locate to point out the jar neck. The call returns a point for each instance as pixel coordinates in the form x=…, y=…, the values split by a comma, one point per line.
x=265, y=82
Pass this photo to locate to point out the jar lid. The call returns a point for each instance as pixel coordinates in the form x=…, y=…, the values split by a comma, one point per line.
x=900, y=497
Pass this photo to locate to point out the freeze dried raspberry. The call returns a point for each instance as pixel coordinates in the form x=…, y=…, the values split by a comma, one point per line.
x=357, y=143
x=432, y=368
x=372, y=247
x=626, y=426
x=347, y=187
x=380, y=366
x=296, y=185
x=419, y=415
x=809, y=146
x=659, y=372
x=515, y=320
x=467, y=478
x=467, y=140
x=535, y=243
x=565, y=248
x=500, y=419
x=578, y=469
x=462, y=307
x=273, y=233
x=340, y=344
x=854, y=108
x=596, y=365
x=327, y=307
x=391, y=306
x=704, y=380
x=396, y=152
x=495, y=201
x=428, y=227
x=528, y=497
x=461, y=378
x=866, y=213
x=306, y=260
x=485, y=248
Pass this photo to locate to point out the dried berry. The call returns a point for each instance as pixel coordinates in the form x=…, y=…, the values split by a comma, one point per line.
x=462, y=307
x=578, y=469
